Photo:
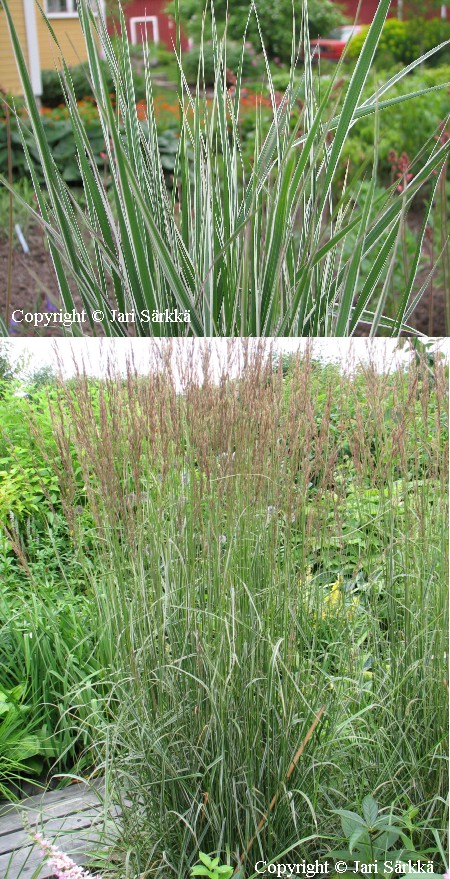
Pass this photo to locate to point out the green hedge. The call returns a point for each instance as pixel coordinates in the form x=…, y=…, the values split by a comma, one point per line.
x=251, y=64
x=52, y=91
x=403, y=41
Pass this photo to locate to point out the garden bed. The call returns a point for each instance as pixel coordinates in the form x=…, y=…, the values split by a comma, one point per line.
x=34, y=285
x=33, y=277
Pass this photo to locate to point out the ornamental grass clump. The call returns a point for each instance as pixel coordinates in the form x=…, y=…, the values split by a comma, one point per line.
x=251, y=248
x=246, y=702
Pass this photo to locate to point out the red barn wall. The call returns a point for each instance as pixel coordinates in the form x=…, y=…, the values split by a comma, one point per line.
x=166, y=24
x=369, y=7
x=367, y=11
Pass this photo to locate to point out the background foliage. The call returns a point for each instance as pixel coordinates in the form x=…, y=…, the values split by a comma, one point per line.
x=403, y=41
x=276, y=22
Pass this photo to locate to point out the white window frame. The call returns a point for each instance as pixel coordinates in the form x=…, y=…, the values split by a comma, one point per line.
x=72, y=10
x=33, y=46
x=141, y=19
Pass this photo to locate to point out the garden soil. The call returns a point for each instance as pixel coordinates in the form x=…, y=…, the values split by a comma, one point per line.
x=34, y=285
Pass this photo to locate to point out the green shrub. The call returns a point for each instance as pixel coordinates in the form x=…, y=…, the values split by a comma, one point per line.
x=425, y=35
x=275, y=22
x=398, y=126
x=52, y=91
x=207, y=68
x=403, y=41
x=394, y=42
x=163, y=57
x=281, y=80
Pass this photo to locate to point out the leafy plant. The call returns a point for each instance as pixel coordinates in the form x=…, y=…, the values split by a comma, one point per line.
x=21, y=205
x=211, y=868
x=372, y=836
x=402, y=41
x=199, y=63
x=60, y=136
x=47, y=641
x=397, y=131
x=47, y=647
x=53, y=91
x=24, y=740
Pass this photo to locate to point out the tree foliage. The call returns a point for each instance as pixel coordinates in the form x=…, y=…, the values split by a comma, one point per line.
x=276, y=20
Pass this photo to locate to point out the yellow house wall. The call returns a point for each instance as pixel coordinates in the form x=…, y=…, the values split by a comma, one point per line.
x=70, y=37
x=9, y=76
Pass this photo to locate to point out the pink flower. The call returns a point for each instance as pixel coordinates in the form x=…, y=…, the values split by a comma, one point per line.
x=63, y=867
x=403, y=163
x=399, y=168
x=406, y=178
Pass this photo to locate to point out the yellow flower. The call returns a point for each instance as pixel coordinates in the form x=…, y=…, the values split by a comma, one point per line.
x=308, y=577
x=334, y=597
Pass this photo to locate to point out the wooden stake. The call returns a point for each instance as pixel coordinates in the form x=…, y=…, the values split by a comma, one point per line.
x=289, y=773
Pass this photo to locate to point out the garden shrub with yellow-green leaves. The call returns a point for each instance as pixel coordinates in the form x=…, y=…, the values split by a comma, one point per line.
x=403, y=41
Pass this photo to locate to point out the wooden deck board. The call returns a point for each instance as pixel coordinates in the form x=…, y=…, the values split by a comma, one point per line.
x=27, y=863
x=58, y=803
x=73, y=818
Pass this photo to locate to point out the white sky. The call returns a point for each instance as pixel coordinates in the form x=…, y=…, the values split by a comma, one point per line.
x=94, y=354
